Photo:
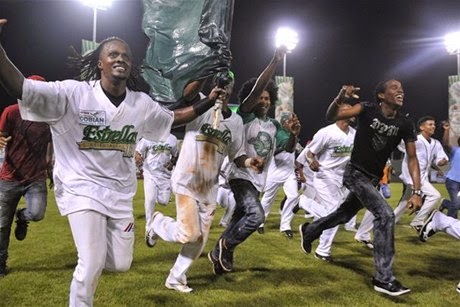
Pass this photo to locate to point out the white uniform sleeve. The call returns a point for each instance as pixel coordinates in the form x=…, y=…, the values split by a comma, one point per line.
x=173, y=145
x=236, y=148
x=302, y=158
x=46, y=101
x=439, y=152
x=318, y=142
x=158, y=122
x=141, y=147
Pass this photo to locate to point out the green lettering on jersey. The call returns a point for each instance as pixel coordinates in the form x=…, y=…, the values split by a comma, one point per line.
x=104, y=138
x=217, y=137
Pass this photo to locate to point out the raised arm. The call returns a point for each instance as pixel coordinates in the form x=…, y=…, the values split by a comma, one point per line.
x=10, y=77
x=189, y=113
x=334, y=112
x=252, y=99
x=293, y=126
x=445, y=136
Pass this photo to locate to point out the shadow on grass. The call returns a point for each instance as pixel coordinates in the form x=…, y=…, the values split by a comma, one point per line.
x=439, y=266
x=56, y=262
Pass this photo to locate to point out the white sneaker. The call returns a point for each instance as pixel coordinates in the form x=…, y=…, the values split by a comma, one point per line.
x=368, y=243
x=150, y=236
x=178, y=287
x=427, y=229
x=458, y=287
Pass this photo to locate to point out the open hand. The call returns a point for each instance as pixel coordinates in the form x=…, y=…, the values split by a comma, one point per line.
x=347, y=91
x=293, y=124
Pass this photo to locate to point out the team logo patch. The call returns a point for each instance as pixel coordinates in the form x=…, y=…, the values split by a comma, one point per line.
x=92, y=117
x=263, y=144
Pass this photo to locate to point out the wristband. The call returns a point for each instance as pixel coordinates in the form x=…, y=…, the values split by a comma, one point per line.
x=417, y=192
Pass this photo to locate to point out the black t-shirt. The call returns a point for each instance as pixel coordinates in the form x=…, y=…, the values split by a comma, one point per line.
x=377, y=137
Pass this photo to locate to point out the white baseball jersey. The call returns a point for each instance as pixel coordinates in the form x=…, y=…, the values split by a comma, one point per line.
x=307, y=172
x=428, y=152
x=157, y=155
x=260, y=142
x=202, y=154
x=94, y=141
x=223, y=173
x=332, y=148
x=281, y=167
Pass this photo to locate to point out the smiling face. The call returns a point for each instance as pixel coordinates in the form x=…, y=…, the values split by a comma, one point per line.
x=428, y=127
x=115, y=61
x=393, y=95
x=264, y=104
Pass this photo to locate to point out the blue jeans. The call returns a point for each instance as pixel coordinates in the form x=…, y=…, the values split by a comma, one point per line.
x=363, y=193
x=453, y=187
x=248, y=214
x=35, y=194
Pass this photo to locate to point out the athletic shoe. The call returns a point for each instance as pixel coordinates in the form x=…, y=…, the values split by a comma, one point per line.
x=369, y=244
x=261, y=230
x=304, y=244
x=151, y=237
x=458, y=287
x=323, y=258
x=216, y=267
x=178, y=287
x=288, y=233
x=427, y=229
x=20, y=232
x=225, y=256
x=393, y=288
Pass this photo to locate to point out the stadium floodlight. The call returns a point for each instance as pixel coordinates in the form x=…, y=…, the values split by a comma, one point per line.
x=452, y=42
x=97, y=5
x=288, y=38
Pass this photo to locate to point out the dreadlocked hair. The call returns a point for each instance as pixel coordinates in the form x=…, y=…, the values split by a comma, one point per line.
x=85, y=66
x=247, y=87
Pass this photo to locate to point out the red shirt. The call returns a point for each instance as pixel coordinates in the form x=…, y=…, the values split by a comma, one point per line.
x=25, y=153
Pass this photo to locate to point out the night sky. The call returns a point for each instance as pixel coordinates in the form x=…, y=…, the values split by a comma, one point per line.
x=341, y=42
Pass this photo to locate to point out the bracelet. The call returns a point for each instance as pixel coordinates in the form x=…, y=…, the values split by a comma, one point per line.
x=417, y=192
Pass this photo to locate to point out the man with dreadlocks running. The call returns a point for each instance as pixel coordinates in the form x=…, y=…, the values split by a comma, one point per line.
x=95, y=125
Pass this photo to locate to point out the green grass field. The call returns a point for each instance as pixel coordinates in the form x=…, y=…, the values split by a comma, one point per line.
x=270, y=270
